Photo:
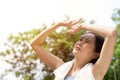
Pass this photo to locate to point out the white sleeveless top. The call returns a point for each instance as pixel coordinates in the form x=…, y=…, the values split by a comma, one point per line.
x=85, y=73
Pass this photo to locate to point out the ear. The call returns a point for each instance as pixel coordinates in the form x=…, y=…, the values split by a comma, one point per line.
x=96, y=55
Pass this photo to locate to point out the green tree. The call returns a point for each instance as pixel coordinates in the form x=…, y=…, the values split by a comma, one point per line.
x=23, y=59
x=20, y=55
x=114, y=70
x=27, y=65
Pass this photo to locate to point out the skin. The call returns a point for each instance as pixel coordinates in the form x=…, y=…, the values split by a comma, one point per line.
x=83, y=50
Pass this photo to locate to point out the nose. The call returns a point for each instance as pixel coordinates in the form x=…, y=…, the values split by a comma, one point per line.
x=80, y=43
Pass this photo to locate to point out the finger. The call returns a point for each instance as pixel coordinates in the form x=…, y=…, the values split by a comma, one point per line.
x=70, y=31
x=69, y=22
x=77, y=21
x=76, y=29
x=80, y=19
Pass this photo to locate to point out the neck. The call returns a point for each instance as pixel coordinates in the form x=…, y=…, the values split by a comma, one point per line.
x=78, y=64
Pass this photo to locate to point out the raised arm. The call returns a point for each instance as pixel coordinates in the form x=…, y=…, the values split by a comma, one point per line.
x=110, y=36
x=49, y=59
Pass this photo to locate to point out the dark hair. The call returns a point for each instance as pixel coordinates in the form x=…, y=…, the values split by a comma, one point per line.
x=98, y=44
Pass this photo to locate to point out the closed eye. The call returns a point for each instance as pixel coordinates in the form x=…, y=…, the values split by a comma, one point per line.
x=88, y=41
x=81, y=39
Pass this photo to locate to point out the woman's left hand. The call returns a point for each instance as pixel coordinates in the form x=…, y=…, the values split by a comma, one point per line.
x=70, y=23
x=75, y=29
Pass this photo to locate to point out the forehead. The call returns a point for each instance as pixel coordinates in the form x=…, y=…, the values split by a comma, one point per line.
x=89, y=36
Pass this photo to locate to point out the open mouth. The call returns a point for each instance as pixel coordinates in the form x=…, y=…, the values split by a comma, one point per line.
x=77, y=48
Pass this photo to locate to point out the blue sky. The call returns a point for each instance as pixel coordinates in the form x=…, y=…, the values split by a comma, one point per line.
x=23, y=15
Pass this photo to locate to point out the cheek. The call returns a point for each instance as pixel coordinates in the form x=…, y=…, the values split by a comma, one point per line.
x=88, y=48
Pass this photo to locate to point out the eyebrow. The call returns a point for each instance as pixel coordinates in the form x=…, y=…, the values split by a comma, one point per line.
x=86, y=38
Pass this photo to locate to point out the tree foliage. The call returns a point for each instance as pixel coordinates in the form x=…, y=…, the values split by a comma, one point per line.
x=20, y=55
x=25, y=63
x=114, y=70
x=27, y=66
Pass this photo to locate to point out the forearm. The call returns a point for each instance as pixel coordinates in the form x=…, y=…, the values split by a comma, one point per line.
x=107, y=50
x=40, y=38
x=100, y=30
x=49, y=59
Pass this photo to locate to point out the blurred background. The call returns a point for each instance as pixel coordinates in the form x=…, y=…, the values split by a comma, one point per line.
x=21, y=20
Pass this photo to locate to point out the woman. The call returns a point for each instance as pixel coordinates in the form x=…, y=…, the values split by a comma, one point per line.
x=85, y=51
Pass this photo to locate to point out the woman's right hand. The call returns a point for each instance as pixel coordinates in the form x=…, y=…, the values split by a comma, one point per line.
x=74, y=25
x=70, y=23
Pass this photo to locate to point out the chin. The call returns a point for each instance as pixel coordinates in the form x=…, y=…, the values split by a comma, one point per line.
x=75, y=52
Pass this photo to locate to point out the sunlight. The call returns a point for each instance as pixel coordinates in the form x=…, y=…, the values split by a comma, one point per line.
x=24, y=15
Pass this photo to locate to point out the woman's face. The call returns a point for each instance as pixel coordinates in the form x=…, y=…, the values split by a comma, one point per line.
x=85, y=46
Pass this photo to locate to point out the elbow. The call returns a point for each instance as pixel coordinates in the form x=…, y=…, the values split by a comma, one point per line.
x=114, y=34
x=32, y=43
